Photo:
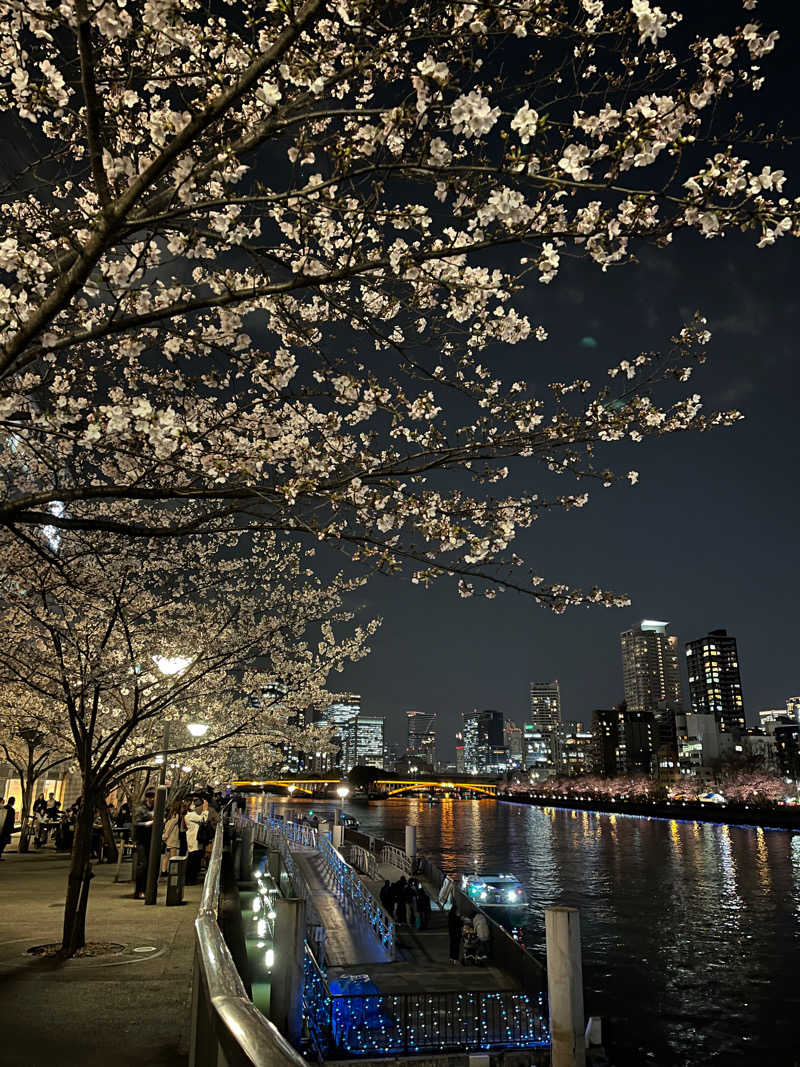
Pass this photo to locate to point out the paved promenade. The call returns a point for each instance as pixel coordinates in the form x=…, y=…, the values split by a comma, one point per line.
x=130, y=1009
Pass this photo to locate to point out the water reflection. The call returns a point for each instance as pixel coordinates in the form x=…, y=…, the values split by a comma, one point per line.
x=689, y=930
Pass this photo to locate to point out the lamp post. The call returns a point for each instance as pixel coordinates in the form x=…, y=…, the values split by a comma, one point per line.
x=290, y=790
x=341, y=792
x=167, y=666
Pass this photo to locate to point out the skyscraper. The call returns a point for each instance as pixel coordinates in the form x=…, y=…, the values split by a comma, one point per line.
x=343, y=717
x=484, y=745
x=652, y=676
x=715, y=687
x=369, y=741
x=421, y=741
x=545, y=704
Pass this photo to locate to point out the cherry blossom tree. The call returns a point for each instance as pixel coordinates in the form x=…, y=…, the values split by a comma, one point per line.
x=250, y=267
x=30, y=746
x=124, y=646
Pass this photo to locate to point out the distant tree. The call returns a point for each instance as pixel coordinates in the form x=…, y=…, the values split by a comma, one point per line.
x=363, y=775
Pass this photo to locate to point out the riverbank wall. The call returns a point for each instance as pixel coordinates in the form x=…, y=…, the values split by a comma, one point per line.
x=686, y=811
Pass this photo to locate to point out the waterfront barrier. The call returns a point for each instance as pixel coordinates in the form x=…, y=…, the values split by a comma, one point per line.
x=783, y=818
x=226, y=1028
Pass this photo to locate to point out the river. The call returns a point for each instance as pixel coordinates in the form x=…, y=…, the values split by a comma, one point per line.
x=690, y=930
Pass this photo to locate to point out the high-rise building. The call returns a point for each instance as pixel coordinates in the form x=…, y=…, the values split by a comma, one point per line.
x=793, y=708
x=513, y=742
x=484, y=743
x=608, y=732
x=545, y=704
x=421, y=741
x=369, y=740
x=640, y=741
x=343, y=717
x=460, y=765
x=715, y=687
x=652, y=675
x=538, y=751
x=573, y=748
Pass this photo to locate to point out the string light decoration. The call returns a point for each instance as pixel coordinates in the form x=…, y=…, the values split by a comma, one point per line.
x=370, y=1023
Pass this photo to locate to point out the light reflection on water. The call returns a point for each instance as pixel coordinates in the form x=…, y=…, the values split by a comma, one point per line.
x=690, y=930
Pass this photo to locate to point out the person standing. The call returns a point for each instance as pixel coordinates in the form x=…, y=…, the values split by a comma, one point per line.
x=481, y=926
x=387, y=897
x=9, y=814
x=195, y=818
x=454, y=925
x=142, y=836
x=423, y=907
x=171, y=835
x=400, y=900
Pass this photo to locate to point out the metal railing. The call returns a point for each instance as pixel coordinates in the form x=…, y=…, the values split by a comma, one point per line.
x=352, y=887
x=363, y=860
x=396, y=857
x=226, y=1026
x=270, y=834
x=370, y=1023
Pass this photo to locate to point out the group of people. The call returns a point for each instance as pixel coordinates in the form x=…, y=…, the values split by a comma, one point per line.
x=189, y=828
x=468, y=936
x=407, y=902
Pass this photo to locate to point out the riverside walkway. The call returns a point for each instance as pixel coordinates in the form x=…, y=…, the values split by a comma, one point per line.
x=130, y=1008
x=377, y=988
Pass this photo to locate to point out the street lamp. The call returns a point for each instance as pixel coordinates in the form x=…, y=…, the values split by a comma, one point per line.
x=290, y=789
x=197, y=729
x=168, y=666
x=341, y=792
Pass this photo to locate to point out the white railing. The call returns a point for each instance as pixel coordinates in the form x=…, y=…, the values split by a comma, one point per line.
x=350, y=886
x=396, y=857
x=363, y=860
x=226, y=1027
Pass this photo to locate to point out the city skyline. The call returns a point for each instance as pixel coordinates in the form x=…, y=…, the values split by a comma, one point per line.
x=520, y=711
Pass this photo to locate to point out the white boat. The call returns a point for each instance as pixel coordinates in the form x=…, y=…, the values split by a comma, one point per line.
x=494, y=890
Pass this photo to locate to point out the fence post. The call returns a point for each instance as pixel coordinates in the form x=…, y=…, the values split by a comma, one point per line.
x=286, y=997
x=411, y=842
x=565, y=987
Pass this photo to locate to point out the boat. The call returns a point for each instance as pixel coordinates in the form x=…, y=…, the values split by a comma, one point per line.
x=433, y=800
x=494, y=890
x=350, y=822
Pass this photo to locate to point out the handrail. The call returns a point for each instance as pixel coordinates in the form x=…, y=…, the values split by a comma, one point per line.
x=380, y=921
x=221, y=1008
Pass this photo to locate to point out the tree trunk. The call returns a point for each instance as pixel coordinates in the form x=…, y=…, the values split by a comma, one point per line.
x=27, y=800
x=108, y=832
x=80, y=875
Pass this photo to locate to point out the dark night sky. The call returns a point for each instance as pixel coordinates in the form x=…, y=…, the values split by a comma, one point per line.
x=707, y=538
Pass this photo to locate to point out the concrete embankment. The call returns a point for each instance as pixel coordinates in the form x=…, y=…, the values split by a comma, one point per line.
x=787, y=818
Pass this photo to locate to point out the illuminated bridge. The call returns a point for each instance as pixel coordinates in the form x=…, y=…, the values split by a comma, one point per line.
x=390, y=786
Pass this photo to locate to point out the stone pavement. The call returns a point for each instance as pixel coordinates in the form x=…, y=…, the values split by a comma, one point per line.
x=130, y=1009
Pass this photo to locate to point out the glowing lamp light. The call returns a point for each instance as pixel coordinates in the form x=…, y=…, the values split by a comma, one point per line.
x=172, y=664
x=290, y=789
x=197, y=729
x=342, y=791
x=269, y=958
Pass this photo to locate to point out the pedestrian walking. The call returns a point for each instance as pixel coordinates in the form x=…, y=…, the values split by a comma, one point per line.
x=142, y=836
x=454, y=926
x=411, y=903
x=8, y=815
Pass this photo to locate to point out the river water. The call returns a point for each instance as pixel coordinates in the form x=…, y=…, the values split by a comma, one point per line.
x=690, y=930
